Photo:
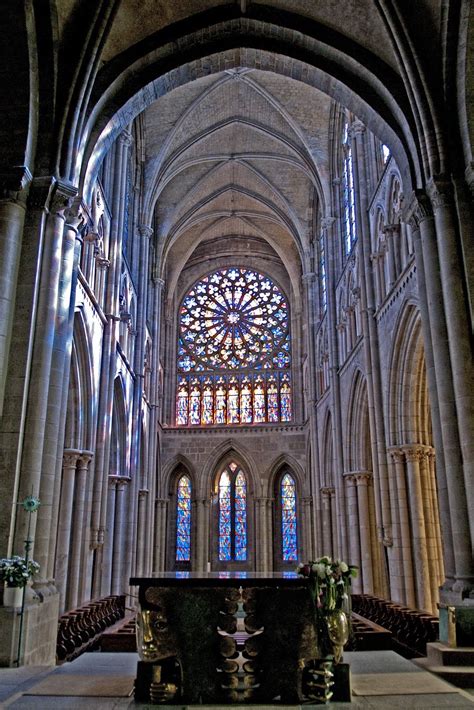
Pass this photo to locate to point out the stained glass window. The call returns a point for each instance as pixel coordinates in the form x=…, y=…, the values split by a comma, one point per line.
x=233, y=351
x=349, y=222
x=288, y=518
x=232, y=514
x=322, y=272
x=183, y=520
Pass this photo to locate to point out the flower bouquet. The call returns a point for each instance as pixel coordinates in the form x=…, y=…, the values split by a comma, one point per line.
x=329, y=585
x=16, y=571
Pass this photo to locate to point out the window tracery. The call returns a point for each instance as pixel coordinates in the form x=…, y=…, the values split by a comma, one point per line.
x=234, y=351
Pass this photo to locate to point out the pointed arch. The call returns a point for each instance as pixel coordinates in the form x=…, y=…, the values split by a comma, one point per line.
x=79, y=432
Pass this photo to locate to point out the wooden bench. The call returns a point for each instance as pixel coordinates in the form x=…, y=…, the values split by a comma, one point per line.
x=79, y=630
x=412, y=629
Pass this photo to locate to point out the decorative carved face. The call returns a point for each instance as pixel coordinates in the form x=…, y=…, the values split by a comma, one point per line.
x=155, y=639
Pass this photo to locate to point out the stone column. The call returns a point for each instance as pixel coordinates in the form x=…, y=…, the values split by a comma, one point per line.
x=153, y=463
x=61, y=366
x=371, y=344
x=326, y=493
x=306, y=528
x=447, y=552
x=58, y=200
x=413, y=455
x=142, y=531
x=309, y=287
x=362, y=481
x=354, y=537
x=78, y=524
x=455, y=483
x=399, y=459
x=436, y=515
x=108, y=364
x=108, y=542
x=340, y=541
x=12, y=219
x=119, y=536
x=157, y=540
x=392, y=272
x=261, y=551
x=70, y=458
x=428, y=513
x=459, y=324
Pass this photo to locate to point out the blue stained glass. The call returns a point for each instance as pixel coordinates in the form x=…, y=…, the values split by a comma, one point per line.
x=240, y=517
x=288, y=518
x=183, y=520
x=225, y=517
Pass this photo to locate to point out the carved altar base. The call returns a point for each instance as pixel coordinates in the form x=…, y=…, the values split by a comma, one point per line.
x=227, y=638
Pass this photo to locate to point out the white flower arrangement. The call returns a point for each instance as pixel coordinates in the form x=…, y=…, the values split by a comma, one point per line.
x=330, y=581
x=16, y=571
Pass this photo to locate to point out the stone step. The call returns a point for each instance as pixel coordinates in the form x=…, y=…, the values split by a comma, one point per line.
x=439, y=654
x=460, y=676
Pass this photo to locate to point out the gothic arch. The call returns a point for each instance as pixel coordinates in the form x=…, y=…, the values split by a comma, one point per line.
x=408, y=406
x=119, y=463
x=327, y=458
x=274, y=471
x=358, y=427
x=80, y=416
x=180, y=461
x=122, y=80
x=226, y=451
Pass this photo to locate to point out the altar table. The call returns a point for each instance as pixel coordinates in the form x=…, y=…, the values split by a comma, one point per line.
x=226, y=637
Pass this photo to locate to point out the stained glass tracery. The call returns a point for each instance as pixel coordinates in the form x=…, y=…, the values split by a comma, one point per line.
x=233, y=349
x=183, y=520
x=288, y=518
x=232, y=514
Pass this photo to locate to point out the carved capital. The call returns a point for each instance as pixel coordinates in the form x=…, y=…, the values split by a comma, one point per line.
x=70, y=457
x=84, y=459
x=356, y=128
x=54, y=196
x=440, y=191
x=145, y=231
x=363, y=478
x=143, y=493
x=14, y=182
x=418, y=209
x=328, y=491
x=397, y=455
x=125, y=139
x=413, y=453
x=309, y=277
x=327, y=222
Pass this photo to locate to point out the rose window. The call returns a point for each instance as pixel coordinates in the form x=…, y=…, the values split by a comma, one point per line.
x=233, y=351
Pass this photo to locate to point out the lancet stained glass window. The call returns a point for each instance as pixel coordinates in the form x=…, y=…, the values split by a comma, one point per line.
x=183, y=520
x=349, y=222
x=234, y=351
x=288, y=518
x=232, y=514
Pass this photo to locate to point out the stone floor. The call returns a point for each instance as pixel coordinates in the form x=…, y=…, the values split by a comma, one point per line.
x=371, y=672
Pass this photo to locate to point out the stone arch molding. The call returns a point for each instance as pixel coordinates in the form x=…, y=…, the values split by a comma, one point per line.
x=170, y=468
x=285, y=461
x=143, y=73
x=407, y=350
x=222, y=454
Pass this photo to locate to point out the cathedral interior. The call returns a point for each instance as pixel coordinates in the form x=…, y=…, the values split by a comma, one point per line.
x=236, y=275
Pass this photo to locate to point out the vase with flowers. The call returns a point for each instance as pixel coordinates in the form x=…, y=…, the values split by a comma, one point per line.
x=329, y=585
x=15, y=572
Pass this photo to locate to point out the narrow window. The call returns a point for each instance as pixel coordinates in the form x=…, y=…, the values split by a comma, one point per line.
x=183, y=520
x=232, y=514
x=288, y=518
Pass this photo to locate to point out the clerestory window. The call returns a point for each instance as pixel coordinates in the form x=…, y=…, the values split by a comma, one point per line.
x=234, y=351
